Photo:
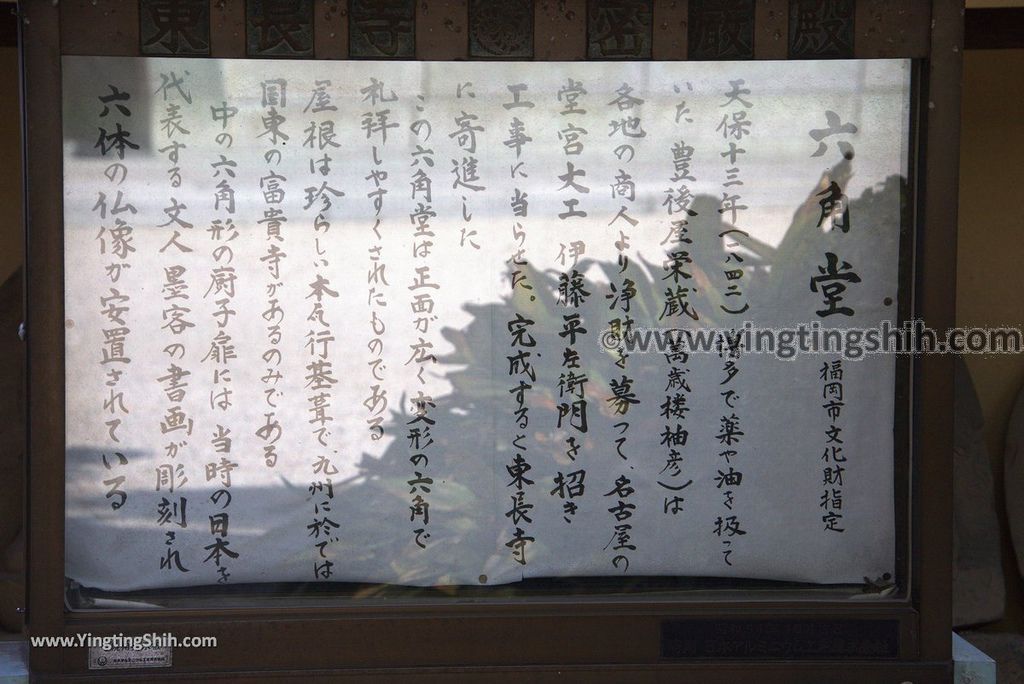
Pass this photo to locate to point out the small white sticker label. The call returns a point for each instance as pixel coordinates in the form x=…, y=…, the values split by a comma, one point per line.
x=125, y=658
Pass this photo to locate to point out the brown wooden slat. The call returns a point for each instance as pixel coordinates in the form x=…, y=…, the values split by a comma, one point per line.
x=892, y=29
x=102, y=27
x=44, y=288
x=330, y=29
x=995, y=28
x=771, y=29
x=227, y=28
x=451, y=637
x=671, y=30
x=382, y=29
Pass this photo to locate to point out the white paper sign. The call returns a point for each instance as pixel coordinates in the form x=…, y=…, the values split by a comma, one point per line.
x=354, y=321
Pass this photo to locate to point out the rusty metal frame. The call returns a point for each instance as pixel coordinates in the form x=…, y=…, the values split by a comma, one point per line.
x=594, y=638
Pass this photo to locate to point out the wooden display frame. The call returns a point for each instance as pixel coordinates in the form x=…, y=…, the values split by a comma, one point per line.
x=591, y=637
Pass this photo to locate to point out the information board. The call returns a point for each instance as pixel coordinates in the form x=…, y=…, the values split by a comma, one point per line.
x=439, y=323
